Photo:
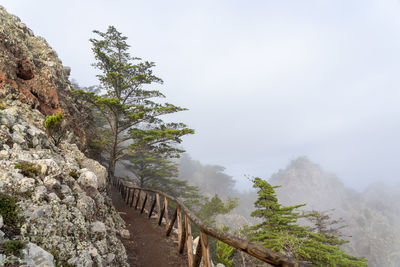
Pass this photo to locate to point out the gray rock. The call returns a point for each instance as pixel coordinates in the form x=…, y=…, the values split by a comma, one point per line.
x=110, y=257
x=18, y=138
x=38, y=257
x=51, y=183
x=88, y=181
x=53, y=197
x=39, y=193
x=1, y=221
x=98, y=169
x=26, y=184
x=86, y=205
x=42, y=211
x=35, y=141
x=98, y=227
x=69, y=200
x=124, y=233
x=48, y=166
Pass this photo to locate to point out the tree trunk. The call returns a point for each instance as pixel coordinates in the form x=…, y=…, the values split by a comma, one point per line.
x=111, y=167
x=112, y=161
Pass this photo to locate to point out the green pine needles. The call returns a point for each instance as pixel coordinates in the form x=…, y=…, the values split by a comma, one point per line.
x=224, y=251
x=55, y=128
x=280, y=232
x=131, y=114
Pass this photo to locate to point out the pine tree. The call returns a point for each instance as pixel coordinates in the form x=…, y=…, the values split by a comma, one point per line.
x=125, y=102
x=280, y=232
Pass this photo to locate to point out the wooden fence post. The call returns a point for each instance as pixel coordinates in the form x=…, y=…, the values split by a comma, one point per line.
x=138, y=199
x=166, y=213
x=205, y=250
x=197, y=255
x=158, y=205
x=152, y=206
x=171, y=224
x=181, y=231
x=144, y=203
x=189, y=242
x=128, y=195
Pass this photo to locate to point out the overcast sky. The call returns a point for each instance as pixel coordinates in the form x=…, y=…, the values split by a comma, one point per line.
x=264, y=81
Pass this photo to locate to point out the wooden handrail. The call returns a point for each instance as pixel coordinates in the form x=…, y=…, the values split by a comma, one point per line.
x=184, y=229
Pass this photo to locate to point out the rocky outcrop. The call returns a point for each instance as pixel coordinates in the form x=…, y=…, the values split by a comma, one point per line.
x=29, y=67
x=61, y=197
x=64, y=214
x=372, y=217
x=30, y=71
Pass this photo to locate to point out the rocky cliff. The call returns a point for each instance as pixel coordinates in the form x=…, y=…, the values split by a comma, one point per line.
x=64, y=216
x=372, y=217
x=31, y=72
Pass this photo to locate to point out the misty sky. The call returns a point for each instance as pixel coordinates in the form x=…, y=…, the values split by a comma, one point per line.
x=265, y=81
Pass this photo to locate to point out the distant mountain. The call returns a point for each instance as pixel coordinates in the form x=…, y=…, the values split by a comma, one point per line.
x=373, y=216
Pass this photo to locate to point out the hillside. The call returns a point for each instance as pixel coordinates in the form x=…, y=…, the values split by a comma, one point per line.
x=373, y=216
x=62, y=212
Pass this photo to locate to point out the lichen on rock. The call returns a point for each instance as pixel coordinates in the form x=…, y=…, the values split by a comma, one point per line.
x=61, y=194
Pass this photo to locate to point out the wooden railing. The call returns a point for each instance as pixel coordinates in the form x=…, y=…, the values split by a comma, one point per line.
x=137, y=197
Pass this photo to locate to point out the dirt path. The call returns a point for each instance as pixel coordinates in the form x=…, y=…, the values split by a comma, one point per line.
x=148, y=246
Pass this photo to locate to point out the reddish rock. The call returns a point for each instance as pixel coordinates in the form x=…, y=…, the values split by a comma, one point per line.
x=29, y=68
x=25, y=70
x=31, y=72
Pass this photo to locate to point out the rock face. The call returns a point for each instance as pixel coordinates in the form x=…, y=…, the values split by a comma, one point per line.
x=65, y=207
x=34, y=75
x=372, y=217
x=67, y=217
x=31, y=72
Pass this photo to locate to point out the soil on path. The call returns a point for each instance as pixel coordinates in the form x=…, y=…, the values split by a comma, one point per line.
x=148, y=245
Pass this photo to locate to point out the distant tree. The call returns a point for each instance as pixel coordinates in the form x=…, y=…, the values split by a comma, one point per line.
x=154, y=171
x=278, y=231
x=215, y=206
x=324, y=224
x=124, y=102
x=209, y=178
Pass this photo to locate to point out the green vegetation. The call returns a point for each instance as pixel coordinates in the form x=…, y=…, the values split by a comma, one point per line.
x=28, y=169
x=224, y=251
x=73, y=174
x=58, y=262
x=214, y=206
x=9, y=212
x=12, y=247
x=127, y=108
x=278, y=231
x=54, y=127
x=2, y=106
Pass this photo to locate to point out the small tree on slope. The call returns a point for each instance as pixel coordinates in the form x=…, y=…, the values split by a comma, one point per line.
x=125, y=103
x=278, y=231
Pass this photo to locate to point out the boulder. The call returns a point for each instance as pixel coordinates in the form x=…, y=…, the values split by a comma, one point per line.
x=88, y=181
x=38, y=257
x=98, y=228
x=98, y=169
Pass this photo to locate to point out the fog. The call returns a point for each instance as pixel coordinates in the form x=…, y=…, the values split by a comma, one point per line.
x=264, y=81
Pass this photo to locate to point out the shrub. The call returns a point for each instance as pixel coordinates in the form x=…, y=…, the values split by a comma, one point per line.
x=28, y=168
x=54, y=127
x=73, y=174
x=8, y=210
x=13, y=247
